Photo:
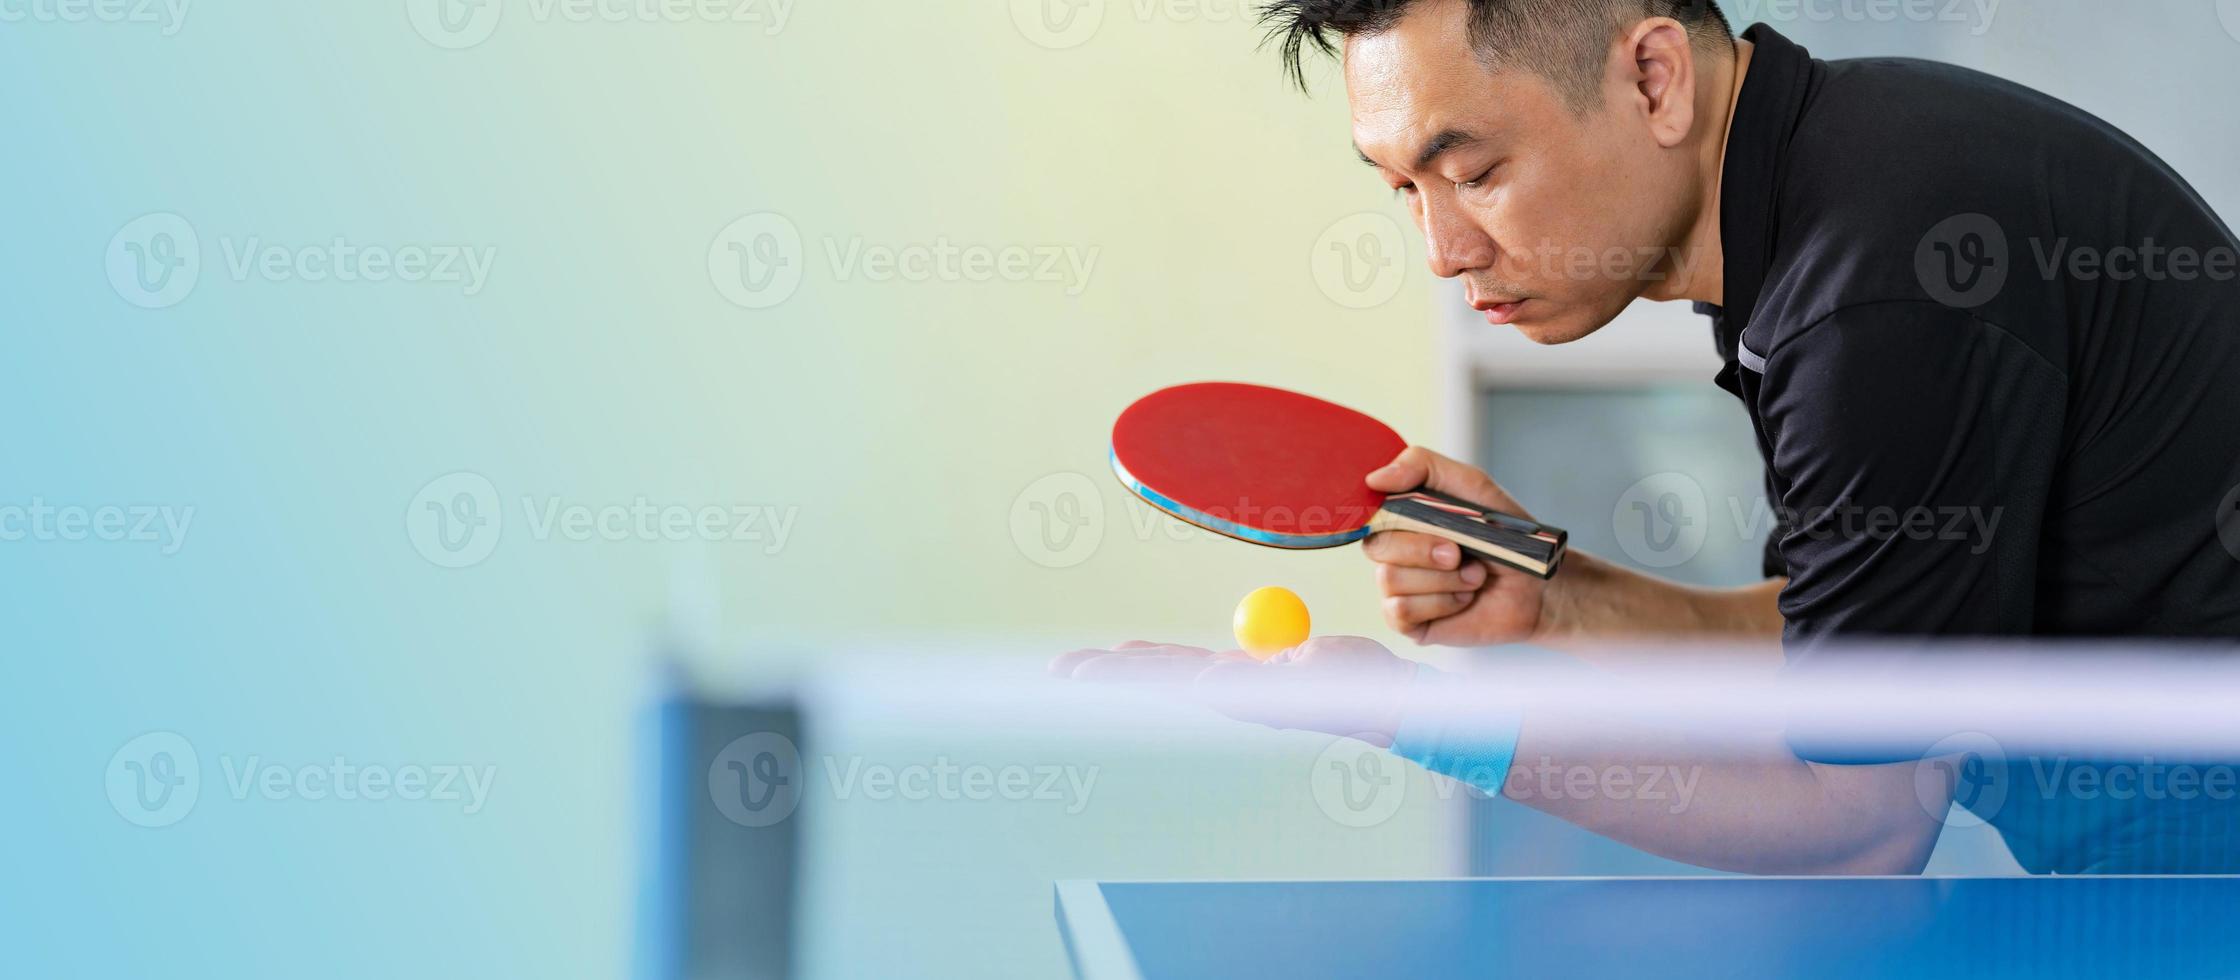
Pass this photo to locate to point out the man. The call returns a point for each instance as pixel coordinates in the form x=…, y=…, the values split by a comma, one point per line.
x=1868, y=239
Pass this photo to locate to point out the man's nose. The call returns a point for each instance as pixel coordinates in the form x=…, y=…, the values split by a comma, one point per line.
x=1453, y=244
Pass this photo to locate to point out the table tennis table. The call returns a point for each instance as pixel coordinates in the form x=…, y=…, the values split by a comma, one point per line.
x=1703, y=926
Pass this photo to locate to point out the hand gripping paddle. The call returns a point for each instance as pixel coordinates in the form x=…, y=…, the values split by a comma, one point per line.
x=1283, y=469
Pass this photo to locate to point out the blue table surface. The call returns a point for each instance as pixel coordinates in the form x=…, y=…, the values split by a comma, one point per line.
x=1710, y=926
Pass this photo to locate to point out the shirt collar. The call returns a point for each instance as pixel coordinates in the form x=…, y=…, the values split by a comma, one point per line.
x=1766, y=113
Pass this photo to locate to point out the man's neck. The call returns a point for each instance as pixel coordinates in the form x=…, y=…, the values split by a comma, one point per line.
x=1700, y=272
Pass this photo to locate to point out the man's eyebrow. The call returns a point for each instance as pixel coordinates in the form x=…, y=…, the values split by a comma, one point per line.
x=1448, y=139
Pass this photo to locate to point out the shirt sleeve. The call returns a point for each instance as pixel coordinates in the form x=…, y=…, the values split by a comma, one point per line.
x=1770, y=563
x=1912, y=450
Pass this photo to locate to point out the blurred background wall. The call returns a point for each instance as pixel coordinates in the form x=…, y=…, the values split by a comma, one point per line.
x=869, y=280
x=1147, y=199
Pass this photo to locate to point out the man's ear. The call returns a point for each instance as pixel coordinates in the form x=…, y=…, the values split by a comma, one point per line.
x=1654, y=63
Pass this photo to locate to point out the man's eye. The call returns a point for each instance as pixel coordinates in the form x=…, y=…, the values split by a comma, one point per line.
x=1474, y=182
x=1404, y=190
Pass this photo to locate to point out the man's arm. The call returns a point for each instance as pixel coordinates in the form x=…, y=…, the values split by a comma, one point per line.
x=1737, y=804
x=1749, y=806
x=1597, y=600
x=1911, y=444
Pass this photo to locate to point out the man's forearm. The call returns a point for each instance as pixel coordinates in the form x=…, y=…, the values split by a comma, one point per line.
x=1739, y=806
x=1755, y=808
x=1592, y=600
x=1736, y=799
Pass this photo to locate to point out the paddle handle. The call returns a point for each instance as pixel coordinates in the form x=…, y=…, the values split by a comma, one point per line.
x=1506, y=539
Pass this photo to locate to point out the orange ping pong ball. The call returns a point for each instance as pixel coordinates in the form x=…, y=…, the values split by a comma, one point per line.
x=1271, y=620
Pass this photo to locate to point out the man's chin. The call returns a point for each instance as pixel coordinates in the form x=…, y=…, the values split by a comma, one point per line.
x=1551, y=331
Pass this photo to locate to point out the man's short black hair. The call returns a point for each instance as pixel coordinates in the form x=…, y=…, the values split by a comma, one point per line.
x=1560, y=40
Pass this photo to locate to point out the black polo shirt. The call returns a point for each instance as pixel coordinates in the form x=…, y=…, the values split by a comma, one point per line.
x=1991, y=346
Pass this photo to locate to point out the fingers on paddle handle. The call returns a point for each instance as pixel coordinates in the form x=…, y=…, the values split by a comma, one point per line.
x=1506, y=539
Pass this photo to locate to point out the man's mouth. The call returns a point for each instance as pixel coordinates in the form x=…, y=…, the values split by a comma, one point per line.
x=1499, y=310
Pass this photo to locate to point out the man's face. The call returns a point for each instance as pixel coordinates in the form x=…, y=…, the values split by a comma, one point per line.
x=1554, y=220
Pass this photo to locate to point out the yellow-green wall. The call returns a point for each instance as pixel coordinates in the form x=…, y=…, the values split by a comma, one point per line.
x=908, y=419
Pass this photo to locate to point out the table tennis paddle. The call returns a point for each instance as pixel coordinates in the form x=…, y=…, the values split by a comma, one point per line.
x=1282, y=469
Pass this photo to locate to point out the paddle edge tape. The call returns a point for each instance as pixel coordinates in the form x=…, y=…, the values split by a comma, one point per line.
x=1187, y=514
